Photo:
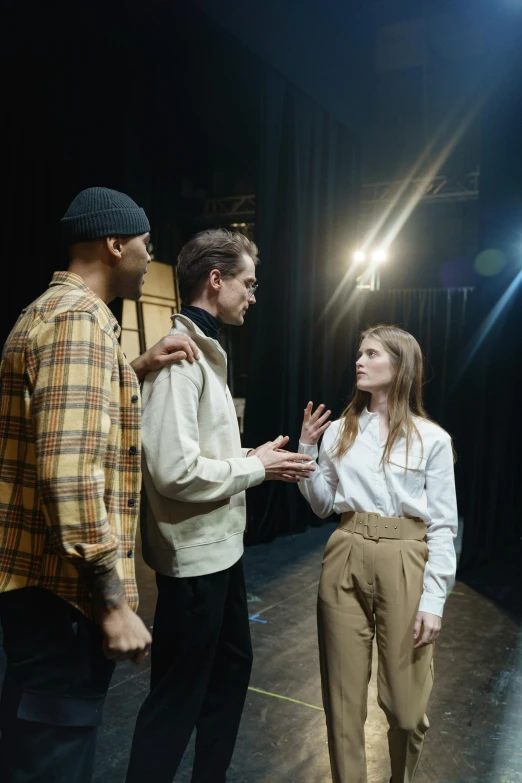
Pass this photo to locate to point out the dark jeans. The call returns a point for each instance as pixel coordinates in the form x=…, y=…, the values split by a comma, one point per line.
x=201, y=663
x=55, y=685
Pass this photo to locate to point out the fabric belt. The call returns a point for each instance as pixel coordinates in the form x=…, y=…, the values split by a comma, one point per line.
x=374, y=527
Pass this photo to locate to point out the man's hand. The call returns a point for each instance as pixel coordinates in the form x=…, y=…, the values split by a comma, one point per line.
x=282, y=465
x=314, y=424
x=281, y=440
x=124, y=634
x=430, y=625
x=170, y=349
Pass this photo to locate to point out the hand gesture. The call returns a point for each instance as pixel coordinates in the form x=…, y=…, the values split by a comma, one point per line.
x=314, y=424
x=282, y=465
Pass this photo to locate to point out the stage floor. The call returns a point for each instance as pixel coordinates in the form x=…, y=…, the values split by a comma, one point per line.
x=475, y=709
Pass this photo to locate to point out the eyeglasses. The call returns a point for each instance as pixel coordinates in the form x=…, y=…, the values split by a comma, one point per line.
x=250, y=287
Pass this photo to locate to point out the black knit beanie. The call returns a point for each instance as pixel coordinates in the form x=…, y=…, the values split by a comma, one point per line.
x=96, y=213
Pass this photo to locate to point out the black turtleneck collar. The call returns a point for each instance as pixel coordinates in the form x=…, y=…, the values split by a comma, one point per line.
x=209, y=325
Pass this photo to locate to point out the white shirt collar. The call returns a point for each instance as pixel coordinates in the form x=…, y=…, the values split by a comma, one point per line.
x=365, y=418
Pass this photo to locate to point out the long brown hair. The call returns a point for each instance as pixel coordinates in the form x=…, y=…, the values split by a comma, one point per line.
x=404, y=396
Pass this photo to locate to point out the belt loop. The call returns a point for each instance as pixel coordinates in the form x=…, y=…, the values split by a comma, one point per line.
x=349, y=521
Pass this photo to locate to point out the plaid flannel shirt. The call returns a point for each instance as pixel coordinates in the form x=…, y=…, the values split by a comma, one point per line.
x=69, y=447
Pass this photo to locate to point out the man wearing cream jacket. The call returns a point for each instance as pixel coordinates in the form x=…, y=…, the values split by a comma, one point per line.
x=195, y=475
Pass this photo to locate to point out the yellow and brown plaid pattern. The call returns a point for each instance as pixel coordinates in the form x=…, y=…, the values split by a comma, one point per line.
x=70, y=447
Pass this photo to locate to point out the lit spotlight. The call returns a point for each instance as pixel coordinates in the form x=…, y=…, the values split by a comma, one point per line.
x=359, y=257
x=379, y=256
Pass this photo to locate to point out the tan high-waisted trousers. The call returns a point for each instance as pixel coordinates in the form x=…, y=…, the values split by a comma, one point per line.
x=371, y=584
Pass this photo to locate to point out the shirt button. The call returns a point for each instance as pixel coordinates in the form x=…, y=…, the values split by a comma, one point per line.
x=134, y=398
x=131, y=502
x=115, y=327
x=130, y=553
x=133, y=450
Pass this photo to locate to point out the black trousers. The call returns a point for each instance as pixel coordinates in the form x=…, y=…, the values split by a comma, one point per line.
x=201, y=661
x=54, y=688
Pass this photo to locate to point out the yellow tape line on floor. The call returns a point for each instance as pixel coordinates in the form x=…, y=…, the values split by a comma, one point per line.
x=285, y=698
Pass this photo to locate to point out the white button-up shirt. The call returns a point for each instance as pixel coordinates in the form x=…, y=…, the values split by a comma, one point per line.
x=423, y=488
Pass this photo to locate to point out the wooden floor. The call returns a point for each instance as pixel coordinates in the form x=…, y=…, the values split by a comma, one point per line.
x=475, y=709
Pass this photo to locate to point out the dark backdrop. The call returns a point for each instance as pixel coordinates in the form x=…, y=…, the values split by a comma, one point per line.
x=489, y=381
x=141, y=97
x=307, y=211
x=471, y=341
x=152, y=99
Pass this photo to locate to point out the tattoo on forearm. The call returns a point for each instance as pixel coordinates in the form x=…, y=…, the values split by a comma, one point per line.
x=107, y=588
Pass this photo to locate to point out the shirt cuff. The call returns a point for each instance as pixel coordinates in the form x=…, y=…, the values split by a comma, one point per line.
x=99, y=558
x=257, y=469
x=432, y=604
x=308, y=448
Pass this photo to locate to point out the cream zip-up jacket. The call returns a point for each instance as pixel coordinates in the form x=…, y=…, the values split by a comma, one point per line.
x=195, y=471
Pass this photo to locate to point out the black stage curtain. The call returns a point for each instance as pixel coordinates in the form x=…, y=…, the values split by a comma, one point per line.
x=308, y=318
x=59, y=139
x=490, y=380
x=307, y=198
x=121, y=115
x=306, y=210
x=487, y=394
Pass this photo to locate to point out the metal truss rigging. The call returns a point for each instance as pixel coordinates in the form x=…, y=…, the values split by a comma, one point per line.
x=441, y=188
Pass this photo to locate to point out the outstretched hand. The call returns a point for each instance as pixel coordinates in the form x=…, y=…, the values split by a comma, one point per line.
x=314, y=424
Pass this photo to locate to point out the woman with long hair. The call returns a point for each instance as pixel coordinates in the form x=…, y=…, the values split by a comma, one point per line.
x=388, y=567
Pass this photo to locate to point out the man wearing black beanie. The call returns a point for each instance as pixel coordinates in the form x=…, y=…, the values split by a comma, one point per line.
x=69, y=494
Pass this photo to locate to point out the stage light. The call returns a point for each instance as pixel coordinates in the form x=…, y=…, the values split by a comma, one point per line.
x=359, y=257
x=379, y=256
